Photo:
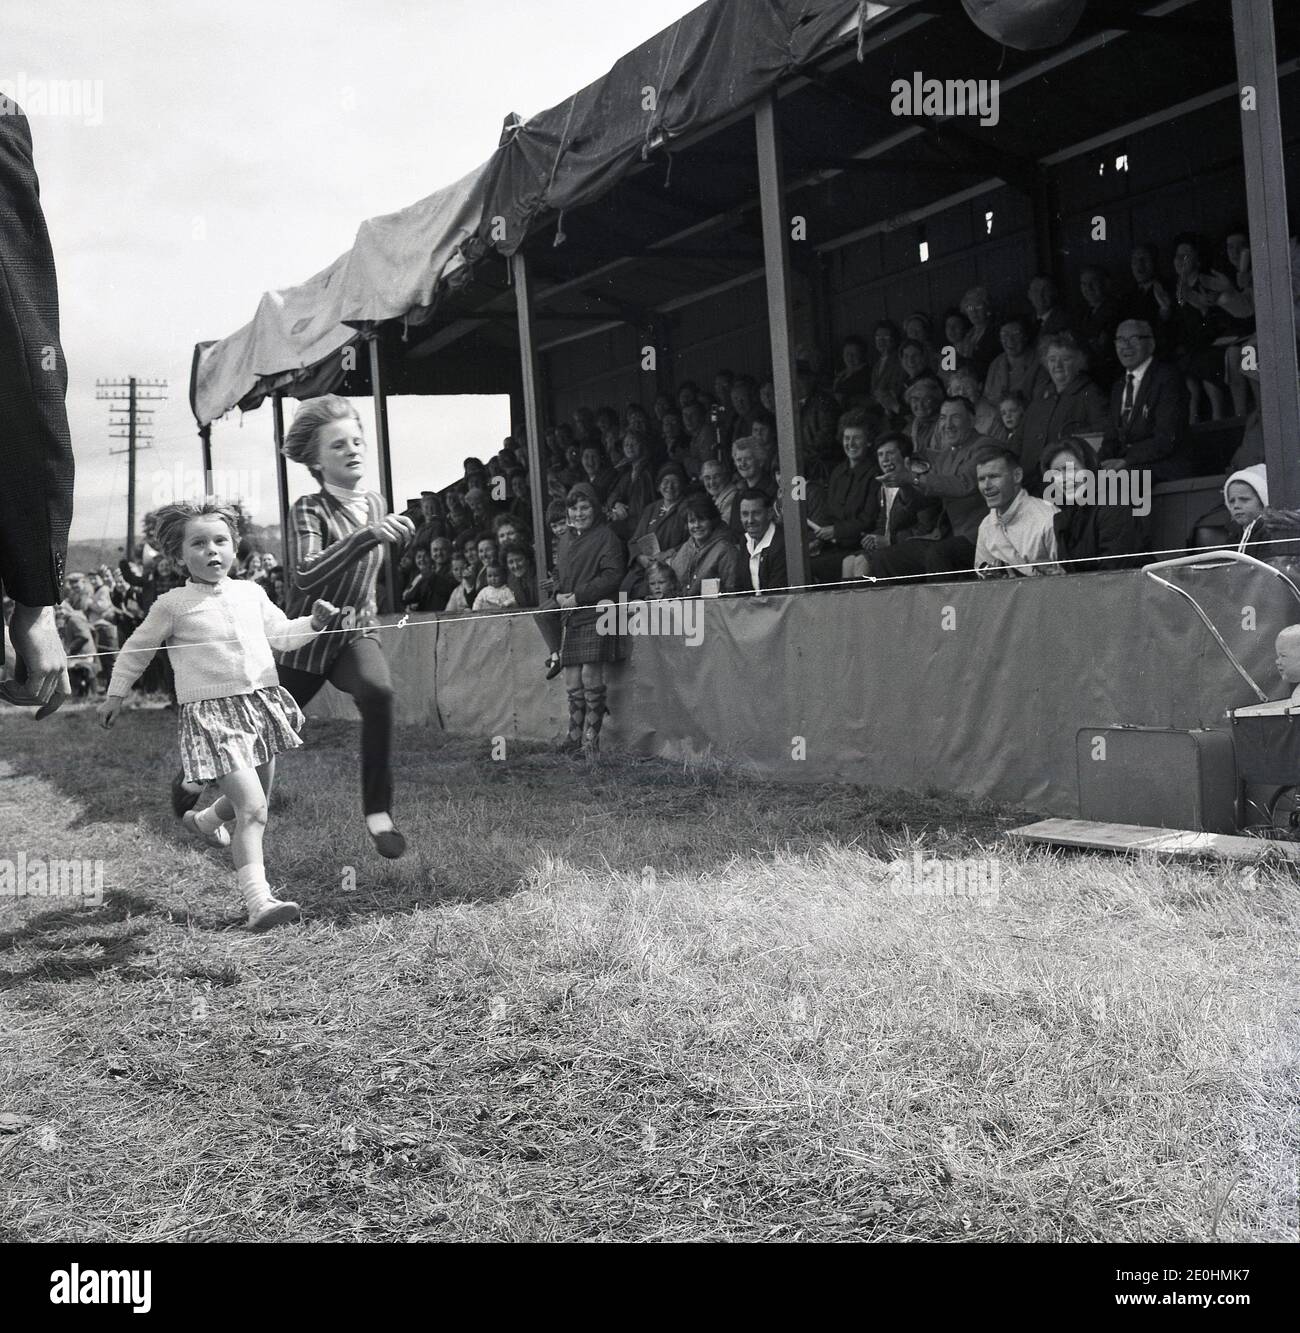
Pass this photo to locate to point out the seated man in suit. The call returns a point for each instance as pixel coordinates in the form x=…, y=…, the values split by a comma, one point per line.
x=1148, y=409
x=763, y=559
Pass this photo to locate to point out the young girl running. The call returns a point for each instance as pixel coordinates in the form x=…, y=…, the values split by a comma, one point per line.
x=234, y=715
x=337, y=539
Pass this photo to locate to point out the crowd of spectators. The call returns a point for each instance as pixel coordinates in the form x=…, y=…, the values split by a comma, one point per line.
x=927, y=449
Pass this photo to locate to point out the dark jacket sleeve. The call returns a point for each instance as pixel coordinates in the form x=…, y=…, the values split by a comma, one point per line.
x=775, y=572
x=848, y=510
x=730, y=574
x=1117, y=535
x=1096, y=409
x=608, y=574
x=35, y=444
x=1166, y=420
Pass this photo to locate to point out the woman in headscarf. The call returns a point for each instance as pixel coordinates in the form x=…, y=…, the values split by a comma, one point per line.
x=589, y=568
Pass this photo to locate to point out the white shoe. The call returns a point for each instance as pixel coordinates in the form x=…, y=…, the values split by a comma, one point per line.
x=219, y=837
x=272, y=912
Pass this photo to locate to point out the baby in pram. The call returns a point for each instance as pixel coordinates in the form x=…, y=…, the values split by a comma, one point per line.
x=1286, y=650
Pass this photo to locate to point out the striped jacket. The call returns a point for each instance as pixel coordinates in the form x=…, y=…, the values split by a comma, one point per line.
x=332, y=556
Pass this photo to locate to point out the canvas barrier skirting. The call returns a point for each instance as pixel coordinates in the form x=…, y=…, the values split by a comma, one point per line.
x=975, y=688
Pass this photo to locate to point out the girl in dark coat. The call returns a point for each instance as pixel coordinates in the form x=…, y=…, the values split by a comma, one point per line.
x=1089, y=536
x=589, y=568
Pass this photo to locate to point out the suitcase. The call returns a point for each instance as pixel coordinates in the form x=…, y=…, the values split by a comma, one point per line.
x=1158, y=776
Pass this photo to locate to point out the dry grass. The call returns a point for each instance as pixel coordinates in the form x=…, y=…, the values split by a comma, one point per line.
x=648, y=1003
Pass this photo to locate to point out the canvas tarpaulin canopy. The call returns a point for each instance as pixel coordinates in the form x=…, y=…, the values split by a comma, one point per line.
x=397, y=264
x=713, y=62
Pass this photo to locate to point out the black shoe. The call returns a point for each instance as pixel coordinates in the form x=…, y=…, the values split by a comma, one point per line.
x=182, y=798
x=390, y=844
x=553, y=666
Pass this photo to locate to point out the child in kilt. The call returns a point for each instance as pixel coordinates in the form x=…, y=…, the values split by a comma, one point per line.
x=589, y=568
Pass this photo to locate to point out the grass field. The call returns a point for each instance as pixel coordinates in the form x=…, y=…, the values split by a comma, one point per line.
x=638, y=1002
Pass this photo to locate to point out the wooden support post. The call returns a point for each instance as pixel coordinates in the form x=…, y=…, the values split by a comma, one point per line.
x=282, y=484
x=532, y=406
x=1270, y=248
x=776, y=254
x=385, y=469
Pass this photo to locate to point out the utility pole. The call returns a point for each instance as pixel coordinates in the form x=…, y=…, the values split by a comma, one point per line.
x=133, y=392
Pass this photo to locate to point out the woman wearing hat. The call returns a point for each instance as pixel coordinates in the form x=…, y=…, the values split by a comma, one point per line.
x=589, y=568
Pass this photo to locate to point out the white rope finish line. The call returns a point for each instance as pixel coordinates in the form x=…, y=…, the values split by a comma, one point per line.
x=866, y=581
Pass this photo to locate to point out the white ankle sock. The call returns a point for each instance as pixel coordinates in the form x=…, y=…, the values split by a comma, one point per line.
x=253, y=887
x=208, y=821
x=381, y=823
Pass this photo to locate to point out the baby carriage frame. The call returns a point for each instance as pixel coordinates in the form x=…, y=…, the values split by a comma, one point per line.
x=1265, y=736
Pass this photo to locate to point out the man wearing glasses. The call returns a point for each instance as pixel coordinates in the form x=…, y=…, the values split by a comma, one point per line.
x=1148, y=409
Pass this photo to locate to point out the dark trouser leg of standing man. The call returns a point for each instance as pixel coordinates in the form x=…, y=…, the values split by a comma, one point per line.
x=35, y=444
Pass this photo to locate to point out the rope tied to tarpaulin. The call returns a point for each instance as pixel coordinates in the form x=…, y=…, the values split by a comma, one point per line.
x=658, y=88
x=560, y=147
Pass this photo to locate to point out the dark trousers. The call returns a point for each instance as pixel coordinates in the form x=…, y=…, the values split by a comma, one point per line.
x=36, y=497
x=828, y=564
x=911, y=558
x=360, y=670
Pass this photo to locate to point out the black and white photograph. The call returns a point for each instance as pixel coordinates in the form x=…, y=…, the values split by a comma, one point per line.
x=649, y=623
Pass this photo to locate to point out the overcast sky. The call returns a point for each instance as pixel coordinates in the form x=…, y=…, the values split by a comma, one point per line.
x=236, y=147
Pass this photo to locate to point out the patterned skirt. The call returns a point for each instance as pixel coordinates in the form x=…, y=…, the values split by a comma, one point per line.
x=583, y=642
x=219, y=736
